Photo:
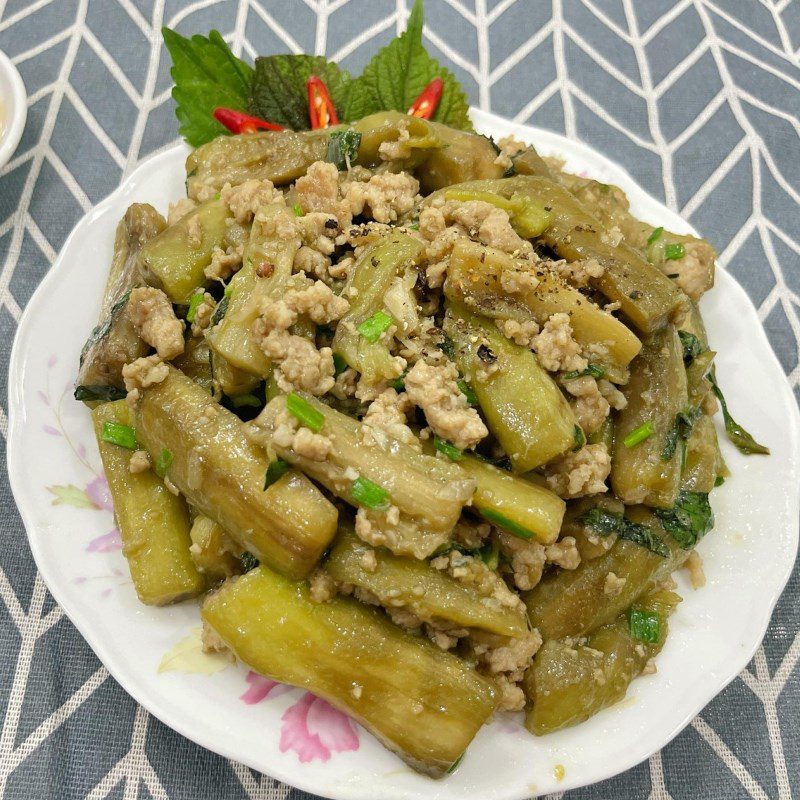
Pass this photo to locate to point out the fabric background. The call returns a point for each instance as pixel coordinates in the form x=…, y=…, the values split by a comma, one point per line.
x=698, y=98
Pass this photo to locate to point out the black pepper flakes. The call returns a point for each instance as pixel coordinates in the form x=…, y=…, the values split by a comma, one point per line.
x=486, y=354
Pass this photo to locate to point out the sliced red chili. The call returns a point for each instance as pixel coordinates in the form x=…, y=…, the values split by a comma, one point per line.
x=425, y=105
x=238, y=122
x=321, y=111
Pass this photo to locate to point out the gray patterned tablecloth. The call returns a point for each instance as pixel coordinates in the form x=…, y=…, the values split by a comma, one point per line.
x=699, y=98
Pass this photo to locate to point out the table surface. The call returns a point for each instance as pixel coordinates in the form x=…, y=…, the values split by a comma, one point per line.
x=699, y=99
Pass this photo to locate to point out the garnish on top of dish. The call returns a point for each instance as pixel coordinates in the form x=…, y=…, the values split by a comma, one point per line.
x=423, y=419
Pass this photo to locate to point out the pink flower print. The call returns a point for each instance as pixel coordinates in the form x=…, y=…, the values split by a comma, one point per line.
x=314, y=729
x=51, y=362
x=99, y=494
x=261, y=687
x=105, y=543
x=51, y=430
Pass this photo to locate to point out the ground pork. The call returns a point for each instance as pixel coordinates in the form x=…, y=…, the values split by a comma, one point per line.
x=577, y=273
x=613, y=585
x=473, y=572
x=245, y=199
x=212, y=642
x=520, y=332
x=471, y=534
x=300, y=366
x=140, y=462
x=507, y=665
x=526, y=558
x=290, y=435
x=695, y=271
x=518, y=281
x=194, y=232
x=435, y=390
x=556, y=348
x=694, y=566
x=224, y=263
x=322, y=587
x=509, y=147
x=580, y=473
x=564, y=553
x=613, y=396
x=344, y=386
x=397, y=150
x=179, y=209
x=387, y=412
x=152, y=315
x=591, y=408
x=384, y=197
x=489, y=224
x=142, y=373
x=203, y=314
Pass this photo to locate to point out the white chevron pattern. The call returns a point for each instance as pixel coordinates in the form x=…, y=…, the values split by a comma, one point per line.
x=703, y=94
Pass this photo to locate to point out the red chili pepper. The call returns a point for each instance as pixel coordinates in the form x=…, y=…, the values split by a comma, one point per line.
x=321, y=111
x=237, y=122
x=425, y=105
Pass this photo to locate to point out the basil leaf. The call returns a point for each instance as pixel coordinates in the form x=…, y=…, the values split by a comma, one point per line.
x=399, y=72
x=689, y=520
x=207, y=75
x=104, y=393
x=744, y=441
x=343, y=148
x=279, y=88
x=606, y=522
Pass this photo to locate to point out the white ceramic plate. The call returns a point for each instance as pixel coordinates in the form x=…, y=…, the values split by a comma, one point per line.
x=54, y=470
x=13, y=108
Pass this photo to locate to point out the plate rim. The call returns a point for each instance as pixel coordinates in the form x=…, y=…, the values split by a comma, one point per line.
x=111, y=661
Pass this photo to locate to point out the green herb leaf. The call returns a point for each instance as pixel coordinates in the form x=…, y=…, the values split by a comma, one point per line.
x=372, y=327
x=450, y=450
x=221, y=309
x=689, y=520
x=104, y=393
x=655, y=235
x=398, y=384
x=593, y=370
x=275, y=471
x=508, y=525
x=691, y=347
x=122, y=435
x=467, y=391
x=369, y=494
x=300, y=408
x=279, y=88
x=163, y=462
x=744, y=442
x=644, y=625
x=206, y=75
x=718, y=481
x=638, y=435
x=399, y=72
x=673, y=252
x=606, y=522
x=490, y=554
x=248, y=561
x=343, y=148
x=101, y=331
x=194, y=303
x=681, y=430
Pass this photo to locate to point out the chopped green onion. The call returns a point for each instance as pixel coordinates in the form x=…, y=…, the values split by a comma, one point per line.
x=229, y=289
x=194, y=304
x=502, y=521
x=638, y=435
x=414, y=226
x=672, y=252
x=467, y=391
x=298, y=210
x=245, y=400
x=248, y=561
x=450, y=450
x=217, y=195
x=122, y=435
x=369, y=494
x=655, y=235
x=372, y=327
x=300, y=408
x=339, y=364
x=579, y=436
x=644, y=625
x=163, y=462
x=275, y=471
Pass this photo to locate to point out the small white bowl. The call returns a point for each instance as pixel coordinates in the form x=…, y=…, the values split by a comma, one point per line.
x=13, y=108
